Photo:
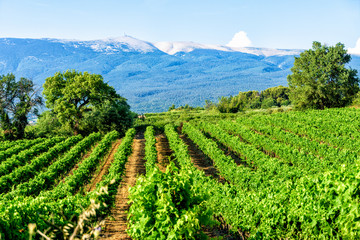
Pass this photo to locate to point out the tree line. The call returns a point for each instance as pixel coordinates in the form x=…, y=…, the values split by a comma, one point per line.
x=271, y=97
x=320, y=79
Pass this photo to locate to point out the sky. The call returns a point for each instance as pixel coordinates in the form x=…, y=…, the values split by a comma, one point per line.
x=286, y=24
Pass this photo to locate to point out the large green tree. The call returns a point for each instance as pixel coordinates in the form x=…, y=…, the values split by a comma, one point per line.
x=321, y=79
x=18, y=99
x=110, y=115
x=73, y=95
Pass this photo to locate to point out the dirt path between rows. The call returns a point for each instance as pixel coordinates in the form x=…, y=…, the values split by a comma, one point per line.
x=228, y=151
x=163, y=152
x=200, y=160
x=104, y=168
x=76, y=166
x=204, y=163
x=116, y=224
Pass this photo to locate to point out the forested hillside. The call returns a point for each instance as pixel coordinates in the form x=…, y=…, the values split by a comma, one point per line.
x=153, y=80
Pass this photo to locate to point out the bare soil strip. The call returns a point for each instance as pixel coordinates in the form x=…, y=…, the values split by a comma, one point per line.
x=204, y=163
x=86, y=155
x=163, y=152
x=228, y=151
x=116, y=224
x=104, y=168
x=200, y=160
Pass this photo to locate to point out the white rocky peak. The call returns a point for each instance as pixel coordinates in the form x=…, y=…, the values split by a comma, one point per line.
x=124, y=43
x=131, y=43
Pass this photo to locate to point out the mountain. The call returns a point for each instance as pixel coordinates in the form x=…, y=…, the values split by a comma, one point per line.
x=153, y=76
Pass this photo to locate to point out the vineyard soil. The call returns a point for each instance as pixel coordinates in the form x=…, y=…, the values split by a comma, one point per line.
x=116, y=224
x=86, y=155
x=202, y=162
x=104, y=168
x=164, y=152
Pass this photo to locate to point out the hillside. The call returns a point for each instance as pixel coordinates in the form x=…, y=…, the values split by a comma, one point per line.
x=153, y=76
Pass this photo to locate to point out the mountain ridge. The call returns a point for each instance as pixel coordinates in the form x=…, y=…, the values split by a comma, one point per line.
x=153, y=76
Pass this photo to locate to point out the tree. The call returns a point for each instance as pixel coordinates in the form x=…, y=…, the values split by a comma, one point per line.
x=109, y=116
x=279, y=94
x=18, y=99
x=171, y=108
x=209, y=105
x=320, y=79
x=48, y=125
x=70, y=95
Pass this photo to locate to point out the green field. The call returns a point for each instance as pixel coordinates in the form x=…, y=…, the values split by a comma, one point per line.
x=259, y=175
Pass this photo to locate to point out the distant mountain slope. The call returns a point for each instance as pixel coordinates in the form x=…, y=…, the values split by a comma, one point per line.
x=153, y=76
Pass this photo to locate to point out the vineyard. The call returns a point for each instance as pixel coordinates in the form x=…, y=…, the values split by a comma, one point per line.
x=290, y=175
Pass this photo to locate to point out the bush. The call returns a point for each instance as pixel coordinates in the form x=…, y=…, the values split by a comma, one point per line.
x=167, y=206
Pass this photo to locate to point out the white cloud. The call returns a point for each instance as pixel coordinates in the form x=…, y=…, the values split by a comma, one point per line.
x=356, y=49
x=239, y=40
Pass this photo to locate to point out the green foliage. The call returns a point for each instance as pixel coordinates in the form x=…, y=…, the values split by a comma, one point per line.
x=356, y=100
x=329, y=154
x=59, y=217
x=296, y=178
x=320, y=79
x=72, y=95
x=150, y=149
x=159, y=120
x=18, y=147
x=186, y=107
x=310, y=190
x=109, y=116
x=17, y=100
x=224, y=163
x=166, y=206
x=279, y=94
x=28, y=171
x=230, y=104
x=117, y=168
x=209, y=105
x=271, y=97
x=46, y=179
x=21, y=158
x=172, y=107
x=255, y=103
x=83, y=173
x=48, y=125
x=268, y=103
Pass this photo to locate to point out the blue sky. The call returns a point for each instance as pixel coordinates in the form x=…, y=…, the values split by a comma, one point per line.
x=274, y=24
